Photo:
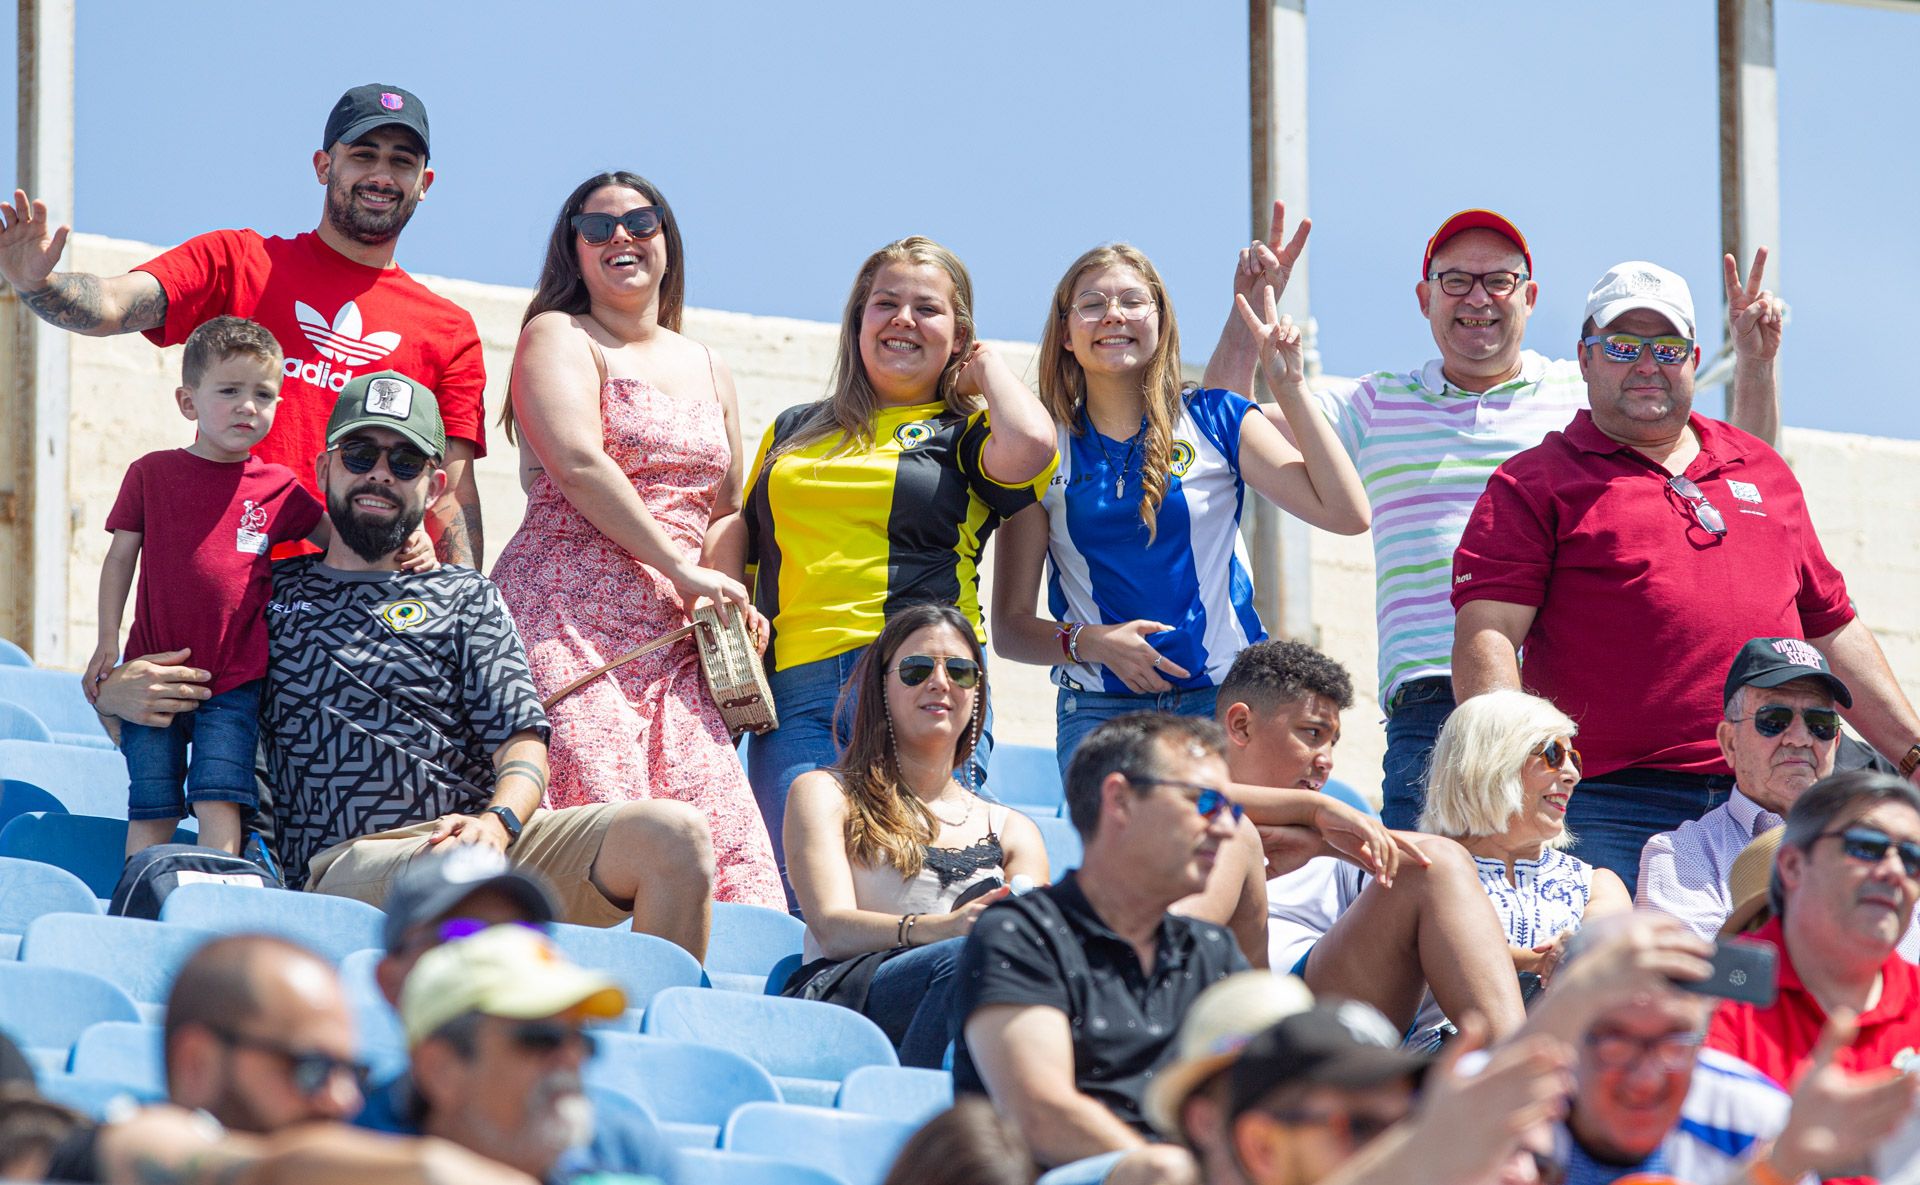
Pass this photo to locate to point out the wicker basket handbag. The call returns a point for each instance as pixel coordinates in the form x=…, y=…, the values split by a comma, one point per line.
x=728, y=661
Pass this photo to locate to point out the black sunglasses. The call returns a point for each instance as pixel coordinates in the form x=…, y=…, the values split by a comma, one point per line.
x=1771, y=721
x=1554, y=753
x=404, y=461
x=916, y=669
x=308, y=1069
x=642, y=222
x=1870, y=844
x=543, y=1038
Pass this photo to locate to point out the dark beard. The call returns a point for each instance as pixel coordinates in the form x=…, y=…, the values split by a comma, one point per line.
x=371, y=540
x=363, y=226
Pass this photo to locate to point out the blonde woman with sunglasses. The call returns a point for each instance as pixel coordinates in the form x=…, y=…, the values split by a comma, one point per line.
x=892, y=856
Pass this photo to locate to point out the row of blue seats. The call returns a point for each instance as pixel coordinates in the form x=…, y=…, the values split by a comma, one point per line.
x=39, y=704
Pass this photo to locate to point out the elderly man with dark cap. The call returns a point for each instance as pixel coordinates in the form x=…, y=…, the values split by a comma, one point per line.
x=1781, y=733
x=333, y=297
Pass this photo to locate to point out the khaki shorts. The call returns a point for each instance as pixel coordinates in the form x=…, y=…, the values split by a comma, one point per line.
x=561, y=845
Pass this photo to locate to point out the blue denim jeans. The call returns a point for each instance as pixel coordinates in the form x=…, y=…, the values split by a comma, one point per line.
x=1077, y=713
x=209, y=749
x=1612, y=820
x=805, y=696
x=1413, y=725
x=911, y=999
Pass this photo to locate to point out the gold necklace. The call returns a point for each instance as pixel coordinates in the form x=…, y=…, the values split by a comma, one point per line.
x=944, y=822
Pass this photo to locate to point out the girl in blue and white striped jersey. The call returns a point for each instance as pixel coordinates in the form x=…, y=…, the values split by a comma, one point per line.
x=1148, y=583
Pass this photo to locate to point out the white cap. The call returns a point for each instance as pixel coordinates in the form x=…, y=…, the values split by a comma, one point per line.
x=1637, y=284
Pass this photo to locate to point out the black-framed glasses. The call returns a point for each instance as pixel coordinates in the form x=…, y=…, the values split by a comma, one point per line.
x=1870, y=844
x=916, y=669
x=642, y=222
x=1671, y=1052
x=1360, y=1128
x=404, y=461
x=1774, y=719
x=1669, y=349
x=309, y=1070
x=1210, y=802
x=1132, y=305
x=1557, y=752
x=1704, y=512
x=1497, y=284
x=544, y=1038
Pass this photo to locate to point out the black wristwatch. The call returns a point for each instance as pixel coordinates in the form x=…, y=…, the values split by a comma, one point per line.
x=508, y=819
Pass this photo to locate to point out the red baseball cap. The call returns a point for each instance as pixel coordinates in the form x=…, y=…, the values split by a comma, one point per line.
x=1474, y=220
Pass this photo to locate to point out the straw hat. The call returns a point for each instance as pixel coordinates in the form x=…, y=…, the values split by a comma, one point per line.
x=1218, y=1026
x=1747, y=881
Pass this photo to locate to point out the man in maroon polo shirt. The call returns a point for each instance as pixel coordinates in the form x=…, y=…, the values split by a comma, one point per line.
x=1632, y=554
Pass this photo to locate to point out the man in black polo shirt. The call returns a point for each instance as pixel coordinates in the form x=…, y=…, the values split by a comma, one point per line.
x=1069, y=997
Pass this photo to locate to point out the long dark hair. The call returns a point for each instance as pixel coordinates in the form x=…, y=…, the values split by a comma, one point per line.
x=561, y=287
x=886, y=822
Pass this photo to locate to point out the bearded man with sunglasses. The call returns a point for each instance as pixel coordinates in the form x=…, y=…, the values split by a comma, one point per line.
x=1843, y=890
x=1632, y=555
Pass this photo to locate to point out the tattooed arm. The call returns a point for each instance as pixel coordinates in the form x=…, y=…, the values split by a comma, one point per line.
x=95, y=306
x=519, y=784
x=454, y=519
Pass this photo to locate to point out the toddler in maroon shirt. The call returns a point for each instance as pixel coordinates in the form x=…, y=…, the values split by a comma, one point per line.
x=201, y=521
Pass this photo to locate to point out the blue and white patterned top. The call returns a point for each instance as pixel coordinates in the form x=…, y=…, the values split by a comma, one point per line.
x=1545, y=899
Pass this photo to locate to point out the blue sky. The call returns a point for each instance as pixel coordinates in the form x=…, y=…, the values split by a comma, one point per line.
x=793, y=139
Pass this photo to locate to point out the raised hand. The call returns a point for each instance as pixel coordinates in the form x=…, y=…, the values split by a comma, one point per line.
x=1755, y=316
x=1467, y=1125
x=1123, y=649
x=1364, y=840
x=1282, y=353
x=1270, y=263
x=1838, y=1118
x=29, y=244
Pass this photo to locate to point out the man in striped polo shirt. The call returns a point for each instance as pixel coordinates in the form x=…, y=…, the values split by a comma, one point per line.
x=1426, y=440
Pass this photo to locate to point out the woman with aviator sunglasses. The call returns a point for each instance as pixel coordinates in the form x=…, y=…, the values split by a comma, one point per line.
x=632, y=516
x=892, y=857
x=1504, y=769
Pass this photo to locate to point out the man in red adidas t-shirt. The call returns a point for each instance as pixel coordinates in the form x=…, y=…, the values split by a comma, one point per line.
x=333, y=298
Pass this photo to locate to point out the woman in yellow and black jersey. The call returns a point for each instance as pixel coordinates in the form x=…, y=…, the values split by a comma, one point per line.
x=882, y=494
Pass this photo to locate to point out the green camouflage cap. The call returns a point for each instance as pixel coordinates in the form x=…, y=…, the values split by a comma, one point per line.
x=388, y=399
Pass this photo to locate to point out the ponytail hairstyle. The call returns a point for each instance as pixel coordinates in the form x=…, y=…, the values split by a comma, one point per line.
x=563, y=289
x=886, y=822
x=851, y=401
x=1063, y=384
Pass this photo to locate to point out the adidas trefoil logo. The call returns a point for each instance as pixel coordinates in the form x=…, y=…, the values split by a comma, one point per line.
x=341, y=340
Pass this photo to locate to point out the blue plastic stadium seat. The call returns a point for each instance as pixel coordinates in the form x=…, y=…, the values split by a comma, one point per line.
x=858, y=1149
x=44, y=776
x=906, y=1093
x=383, y=1043
x=28, y=889
x=56, y=698
x=139, y=957
x=12, y=656
x=333, y=926
x=45, y=1009
x=116, y=1051
x=690, y=1088
x=808, y=1046
x=1350, y=796
x=716, y=1166
x=1026, y=776
x=89, y=847
x=643, y=963
x=99, y=1098
x=752, y=945
x=1063, y=845
x=18, y=723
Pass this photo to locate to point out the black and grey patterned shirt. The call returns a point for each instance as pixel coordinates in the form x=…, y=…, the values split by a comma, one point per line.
x=387, y=694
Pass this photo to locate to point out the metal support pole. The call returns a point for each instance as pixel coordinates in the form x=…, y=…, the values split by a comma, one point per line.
x=39, y=500
x=1280, y=546
x=1749, y=135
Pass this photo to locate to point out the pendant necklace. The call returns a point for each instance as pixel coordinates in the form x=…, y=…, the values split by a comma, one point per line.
x=1126, y=463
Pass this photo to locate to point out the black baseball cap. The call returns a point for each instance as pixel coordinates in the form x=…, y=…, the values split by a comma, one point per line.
x=375, y=105
x=1769, y=662
x=1340, y=1043
x=434, y=884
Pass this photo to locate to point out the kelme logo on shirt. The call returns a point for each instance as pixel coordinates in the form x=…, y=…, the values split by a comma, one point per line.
x=913, y=432
x=1182, y=459
x=403, y=615
x=340, y=340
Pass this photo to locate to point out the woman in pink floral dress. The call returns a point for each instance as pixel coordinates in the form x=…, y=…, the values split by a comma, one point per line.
x=632, y=515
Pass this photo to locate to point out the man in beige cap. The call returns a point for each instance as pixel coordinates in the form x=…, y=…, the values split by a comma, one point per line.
x=495, y=1029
